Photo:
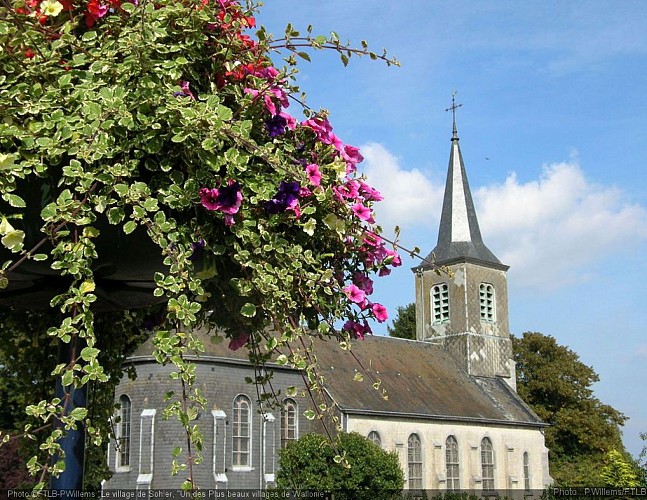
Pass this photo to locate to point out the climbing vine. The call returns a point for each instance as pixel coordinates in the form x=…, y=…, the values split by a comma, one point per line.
x=149, y=154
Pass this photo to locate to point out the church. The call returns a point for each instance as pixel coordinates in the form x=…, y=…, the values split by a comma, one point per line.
x=452, y=414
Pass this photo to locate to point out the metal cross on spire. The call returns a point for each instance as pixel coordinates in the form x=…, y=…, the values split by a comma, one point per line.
x=453, y=109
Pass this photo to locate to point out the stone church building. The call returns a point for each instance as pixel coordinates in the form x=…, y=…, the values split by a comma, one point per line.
x=452, y=415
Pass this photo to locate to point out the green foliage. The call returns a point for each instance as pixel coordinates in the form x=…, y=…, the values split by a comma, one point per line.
x=558, y=386
x=619, y=471
x=26, y=363
x=351, y=466
x=642, y=459
x=404, y=325
x=131, y=124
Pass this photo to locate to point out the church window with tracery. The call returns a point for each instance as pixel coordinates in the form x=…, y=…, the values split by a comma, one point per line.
x=440, y=303
x=452, y=464
x=123, y=432
x=242, y=416
x=415, y=462
x=374, y=437
x=288, y=422
x=526, y=471
x=488, y=310
x=487, y=464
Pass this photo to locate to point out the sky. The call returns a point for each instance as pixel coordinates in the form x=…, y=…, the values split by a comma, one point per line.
x=553, y=132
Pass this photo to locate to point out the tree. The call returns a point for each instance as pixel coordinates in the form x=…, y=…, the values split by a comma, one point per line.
x=557, y=385
x=619, y=471
x=352, y=466
x=404, y=325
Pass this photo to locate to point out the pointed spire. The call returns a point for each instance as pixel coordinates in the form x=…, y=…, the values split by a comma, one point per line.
x=459, y=236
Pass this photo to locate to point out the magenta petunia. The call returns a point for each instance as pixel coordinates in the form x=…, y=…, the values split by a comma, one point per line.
x=362, y=212
x=392, y=258
x=369, y=193
x=358, y=330
x=355, y=294
x=313, y=173
x=226, y=199
x=351, y=154
x=380, y=312
x=323, y=130
x=208, y=198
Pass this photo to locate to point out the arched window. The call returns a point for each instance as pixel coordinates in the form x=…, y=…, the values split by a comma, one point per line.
x=374, y=437
x=440, y=303
x=242, y=419
x=526, y=471
x=488, y=308
x=451, y=463
x=289, y=431
x=415, y=462
x=487, y=464
x=123, y=432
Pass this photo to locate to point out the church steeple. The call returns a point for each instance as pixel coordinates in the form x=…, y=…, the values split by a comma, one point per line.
x=459, y=236
x=464, y=307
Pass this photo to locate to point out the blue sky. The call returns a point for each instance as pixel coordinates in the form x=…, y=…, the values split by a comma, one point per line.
x=553, y=132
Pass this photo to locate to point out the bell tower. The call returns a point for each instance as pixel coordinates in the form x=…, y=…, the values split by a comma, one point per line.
x=464, y=307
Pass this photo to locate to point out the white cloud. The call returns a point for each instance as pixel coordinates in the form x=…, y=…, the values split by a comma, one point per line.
x=410, y=198
x=552, y=231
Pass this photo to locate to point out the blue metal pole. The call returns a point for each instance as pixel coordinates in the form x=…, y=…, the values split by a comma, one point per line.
x=73, y=442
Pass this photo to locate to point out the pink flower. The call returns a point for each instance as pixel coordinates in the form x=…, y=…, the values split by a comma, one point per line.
x=351, y=154
x=392, y=258
x=354, y=294
x=350, y=190
x=380, y=312
x=227, y=3
x=226, y=199
x=355, y=328
x=323, y=130
x=372, y=239
x=314, y=176
x=267, y=96
x=208, y=198
x=362, y=212
x=369, y=193
x=291, y=122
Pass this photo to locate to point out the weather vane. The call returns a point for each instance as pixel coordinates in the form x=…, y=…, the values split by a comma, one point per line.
x=453, y=109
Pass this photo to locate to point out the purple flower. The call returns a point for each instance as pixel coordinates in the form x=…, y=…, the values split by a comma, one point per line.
x=286, y=198
x=238, y=341
x=363, y=282
x=230, y=198
x=358, y=330
x=226, y=199
x=198, y=249
x=276, y=125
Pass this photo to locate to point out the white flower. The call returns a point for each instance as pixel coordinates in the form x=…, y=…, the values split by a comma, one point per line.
x=51, y=8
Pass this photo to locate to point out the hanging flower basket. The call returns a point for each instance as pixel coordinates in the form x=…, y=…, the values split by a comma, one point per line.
x=175, y=171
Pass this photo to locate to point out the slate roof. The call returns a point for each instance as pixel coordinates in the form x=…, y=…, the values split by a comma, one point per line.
x=459, y=236
x=420, y=379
